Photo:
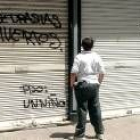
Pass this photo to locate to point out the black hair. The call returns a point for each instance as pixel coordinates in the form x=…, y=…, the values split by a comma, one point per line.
x=87, y=43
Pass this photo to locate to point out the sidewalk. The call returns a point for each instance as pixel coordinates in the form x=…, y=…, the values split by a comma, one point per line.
x=123, y=128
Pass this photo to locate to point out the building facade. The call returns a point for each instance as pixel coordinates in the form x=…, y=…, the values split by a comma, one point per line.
x=38, y=41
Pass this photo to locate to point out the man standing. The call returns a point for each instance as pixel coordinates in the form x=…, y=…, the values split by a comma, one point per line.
x=89, y=71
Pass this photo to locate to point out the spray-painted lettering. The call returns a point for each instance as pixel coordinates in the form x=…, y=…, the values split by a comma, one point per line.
x=31, y=89
x=15, y=35
x=31, y=18
x=44, y=103
x=50, y=101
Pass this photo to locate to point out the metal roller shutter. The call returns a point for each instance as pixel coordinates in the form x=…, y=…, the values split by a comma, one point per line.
x=33, y=54
x=115, y=26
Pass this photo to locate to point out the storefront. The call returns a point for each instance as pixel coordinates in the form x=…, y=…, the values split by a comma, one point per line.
x=115, y=27
x=33, y=60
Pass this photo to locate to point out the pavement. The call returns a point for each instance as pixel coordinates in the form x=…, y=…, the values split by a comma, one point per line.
x=122, y=128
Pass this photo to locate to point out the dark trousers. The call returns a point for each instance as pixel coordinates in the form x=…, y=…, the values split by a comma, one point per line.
x=87, y=96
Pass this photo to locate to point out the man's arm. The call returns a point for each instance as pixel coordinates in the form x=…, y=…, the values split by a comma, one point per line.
x=101, y=71
x=101, y=77
x=72, y=79
x=74, y=71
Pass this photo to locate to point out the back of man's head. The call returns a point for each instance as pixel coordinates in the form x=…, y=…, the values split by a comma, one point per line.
x=87, y=43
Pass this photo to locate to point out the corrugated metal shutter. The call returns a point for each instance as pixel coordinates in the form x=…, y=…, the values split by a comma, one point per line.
x=33, y=54
x=115, y=26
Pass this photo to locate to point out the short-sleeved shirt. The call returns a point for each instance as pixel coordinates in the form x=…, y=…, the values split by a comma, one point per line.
x=87, y=65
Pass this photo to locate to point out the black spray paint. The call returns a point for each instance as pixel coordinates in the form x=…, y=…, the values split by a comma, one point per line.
x=44, y=103
x=31, y=18
x=51, y=100
x=31, y=89
x=14, y=35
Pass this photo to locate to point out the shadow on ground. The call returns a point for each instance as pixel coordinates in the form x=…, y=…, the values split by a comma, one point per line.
x=66, y=135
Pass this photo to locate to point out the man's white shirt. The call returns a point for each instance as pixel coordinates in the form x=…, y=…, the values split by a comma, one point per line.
x=87, y=65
